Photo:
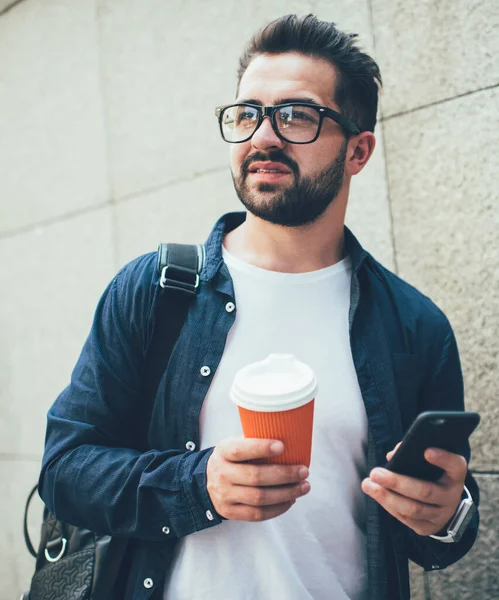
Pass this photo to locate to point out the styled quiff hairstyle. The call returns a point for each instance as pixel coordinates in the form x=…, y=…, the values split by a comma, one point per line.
x=358, y=75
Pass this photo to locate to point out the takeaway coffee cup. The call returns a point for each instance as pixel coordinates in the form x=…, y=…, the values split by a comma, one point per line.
x=275, y=398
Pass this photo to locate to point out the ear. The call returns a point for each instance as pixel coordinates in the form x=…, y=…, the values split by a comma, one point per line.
x=360, y=149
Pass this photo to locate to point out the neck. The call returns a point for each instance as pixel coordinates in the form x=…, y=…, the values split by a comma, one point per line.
x=290, y=249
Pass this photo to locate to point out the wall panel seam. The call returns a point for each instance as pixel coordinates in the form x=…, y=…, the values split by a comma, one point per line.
x=10, y=7
x=172, y=183
x=385, y=157
x=53, y=220
x=438, y=102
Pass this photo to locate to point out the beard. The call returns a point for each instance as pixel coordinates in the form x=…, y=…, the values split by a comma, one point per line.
x=303, y=202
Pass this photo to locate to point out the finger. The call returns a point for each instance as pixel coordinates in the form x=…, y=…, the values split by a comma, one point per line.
x=264, y=475
x=454, y=465
x=390, y=454
x=409, y=487
x=255, y=496
x=400, y=506
x=241, y=512
x=243, y=449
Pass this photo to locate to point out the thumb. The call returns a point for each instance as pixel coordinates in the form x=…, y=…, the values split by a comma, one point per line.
x=392, y=452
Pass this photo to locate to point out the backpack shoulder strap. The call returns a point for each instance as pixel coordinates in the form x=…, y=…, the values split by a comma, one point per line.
x=179, y=266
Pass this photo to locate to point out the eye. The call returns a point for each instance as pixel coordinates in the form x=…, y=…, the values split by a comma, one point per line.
x=307, y=115
x=245, y=115
x=303, y=116
x=298, y=115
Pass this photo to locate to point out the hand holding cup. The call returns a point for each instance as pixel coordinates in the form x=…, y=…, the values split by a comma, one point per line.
x=253, y=492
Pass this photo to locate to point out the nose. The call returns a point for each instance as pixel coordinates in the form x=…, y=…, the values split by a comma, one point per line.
x=265, y=137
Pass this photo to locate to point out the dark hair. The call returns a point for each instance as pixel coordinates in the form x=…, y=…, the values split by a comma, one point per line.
x=358, y=74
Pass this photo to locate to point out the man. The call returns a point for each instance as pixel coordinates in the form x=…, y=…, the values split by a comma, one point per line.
x=287, y=277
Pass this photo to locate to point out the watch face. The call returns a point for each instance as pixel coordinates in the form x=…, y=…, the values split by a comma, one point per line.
x=462, y=525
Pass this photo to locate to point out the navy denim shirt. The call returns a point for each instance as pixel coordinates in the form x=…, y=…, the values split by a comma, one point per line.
x=122, y=463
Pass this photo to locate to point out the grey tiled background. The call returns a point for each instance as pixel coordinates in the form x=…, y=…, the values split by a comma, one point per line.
x=108, y=145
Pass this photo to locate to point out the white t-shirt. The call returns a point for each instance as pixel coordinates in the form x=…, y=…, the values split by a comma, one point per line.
x=317, y=549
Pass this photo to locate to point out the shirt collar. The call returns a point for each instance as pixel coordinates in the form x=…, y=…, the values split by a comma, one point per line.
x=230, y=221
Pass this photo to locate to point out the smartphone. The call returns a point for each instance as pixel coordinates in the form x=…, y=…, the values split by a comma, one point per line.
x=448, y=430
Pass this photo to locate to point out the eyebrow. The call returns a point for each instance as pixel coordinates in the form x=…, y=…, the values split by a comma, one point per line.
x=305, y=99
x=302, y=99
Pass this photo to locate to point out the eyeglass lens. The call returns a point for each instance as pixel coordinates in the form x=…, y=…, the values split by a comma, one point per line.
x=294, y=123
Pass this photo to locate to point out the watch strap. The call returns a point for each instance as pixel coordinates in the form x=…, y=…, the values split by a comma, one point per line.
x=459, y=522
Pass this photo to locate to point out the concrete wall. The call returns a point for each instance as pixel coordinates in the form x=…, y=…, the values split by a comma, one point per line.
x=108, y=145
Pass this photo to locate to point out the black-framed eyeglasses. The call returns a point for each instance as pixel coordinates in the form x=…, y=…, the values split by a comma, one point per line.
x=293, y=122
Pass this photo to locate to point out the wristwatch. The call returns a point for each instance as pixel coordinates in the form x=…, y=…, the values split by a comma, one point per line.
x=459, y=521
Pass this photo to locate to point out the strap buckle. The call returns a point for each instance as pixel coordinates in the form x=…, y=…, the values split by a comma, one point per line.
x=175, y=284
x=179, y=266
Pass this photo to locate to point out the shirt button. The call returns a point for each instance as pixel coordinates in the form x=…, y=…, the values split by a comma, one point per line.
x=205, y=371
x=230, y=306
x=148, y=583
x=190, y=446
x=166, y=530
x=209, y=515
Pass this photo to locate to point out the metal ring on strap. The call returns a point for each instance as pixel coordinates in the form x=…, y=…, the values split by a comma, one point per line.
x=59, y=556
x=176, y=283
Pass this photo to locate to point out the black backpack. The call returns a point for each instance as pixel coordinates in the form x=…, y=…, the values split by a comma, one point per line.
x=73, y=563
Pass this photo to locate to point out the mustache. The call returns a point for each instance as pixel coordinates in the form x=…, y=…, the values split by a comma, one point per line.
x=274, y=156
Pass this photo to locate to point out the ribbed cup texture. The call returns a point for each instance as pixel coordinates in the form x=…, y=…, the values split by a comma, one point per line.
x=293, y=427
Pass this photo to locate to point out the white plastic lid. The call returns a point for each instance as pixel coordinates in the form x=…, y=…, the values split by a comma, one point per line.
x=280, y=382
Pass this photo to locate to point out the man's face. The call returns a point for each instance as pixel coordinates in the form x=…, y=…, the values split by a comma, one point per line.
x=309, y=176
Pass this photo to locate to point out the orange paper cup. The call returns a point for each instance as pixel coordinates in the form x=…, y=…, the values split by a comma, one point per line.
x=292, y=427
x=275, y=398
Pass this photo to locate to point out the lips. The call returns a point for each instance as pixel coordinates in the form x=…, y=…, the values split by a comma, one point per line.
x=269, y=167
